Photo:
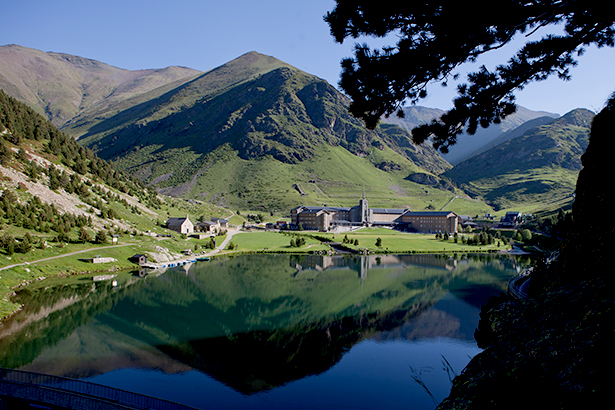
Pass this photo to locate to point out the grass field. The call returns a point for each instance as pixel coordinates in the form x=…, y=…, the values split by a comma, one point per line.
x=399, y=242
x=526, y=192
x=274, y=242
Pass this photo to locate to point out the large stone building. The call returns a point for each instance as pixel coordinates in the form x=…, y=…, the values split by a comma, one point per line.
x=322, y=218
x=431, y=221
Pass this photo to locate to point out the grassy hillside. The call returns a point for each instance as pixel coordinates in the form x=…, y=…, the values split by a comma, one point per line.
x=207, y=136
x=58, y=198
x=530, y=171
x=172, y=97
x=513, y=133
x=243, y=137
x=333, y=176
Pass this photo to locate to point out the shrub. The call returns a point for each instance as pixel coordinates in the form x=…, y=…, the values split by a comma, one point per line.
x=101, y=237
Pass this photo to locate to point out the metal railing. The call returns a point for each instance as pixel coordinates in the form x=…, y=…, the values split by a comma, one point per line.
x=515, y=284
x=79, y=388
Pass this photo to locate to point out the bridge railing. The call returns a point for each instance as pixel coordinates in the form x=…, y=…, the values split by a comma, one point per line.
x=79, y=387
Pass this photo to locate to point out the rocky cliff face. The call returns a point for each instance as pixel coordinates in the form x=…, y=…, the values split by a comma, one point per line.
x=584, y=254
x=552, y=350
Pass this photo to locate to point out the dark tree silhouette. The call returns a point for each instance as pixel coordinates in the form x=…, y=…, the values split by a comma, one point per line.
x=437, y=37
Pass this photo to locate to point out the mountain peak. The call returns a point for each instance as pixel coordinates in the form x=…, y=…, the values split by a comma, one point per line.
x=249, y=65
x=579, y=117
x=255, y=55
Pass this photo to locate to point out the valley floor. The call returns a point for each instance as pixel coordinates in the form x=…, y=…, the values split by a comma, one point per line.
x=19, y=270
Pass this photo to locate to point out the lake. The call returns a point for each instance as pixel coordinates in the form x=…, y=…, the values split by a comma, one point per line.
x=265, y=331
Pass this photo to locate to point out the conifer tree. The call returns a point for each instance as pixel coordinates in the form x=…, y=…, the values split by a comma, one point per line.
x=101, y=237
x=435, y=38
x=84, y=236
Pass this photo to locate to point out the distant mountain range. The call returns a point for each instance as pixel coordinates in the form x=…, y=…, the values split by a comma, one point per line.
x=532, y=157
x=538, y=166
x=484, y=138
x=63, y=87
x=255, y=133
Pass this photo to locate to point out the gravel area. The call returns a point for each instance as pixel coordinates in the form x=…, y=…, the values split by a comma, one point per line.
x=62, y=200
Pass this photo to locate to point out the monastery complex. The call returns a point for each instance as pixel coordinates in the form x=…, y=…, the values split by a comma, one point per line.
x=322, y=218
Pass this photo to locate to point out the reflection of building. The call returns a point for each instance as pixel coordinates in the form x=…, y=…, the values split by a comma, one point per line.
x=361, y=264
x=322, y=218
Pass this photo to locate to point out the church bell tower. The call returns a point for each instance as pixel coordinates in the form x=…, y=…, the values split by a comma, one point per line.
x=364, y=209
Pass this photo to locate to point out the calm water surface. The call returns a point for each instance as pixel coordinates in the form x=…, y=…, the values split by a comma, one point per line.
x=266, y=331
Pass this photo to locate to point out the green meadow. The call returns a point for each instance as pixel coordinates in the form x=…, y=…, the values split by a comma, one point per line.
x=334, y=177
x=400, y=242
x=275, y=242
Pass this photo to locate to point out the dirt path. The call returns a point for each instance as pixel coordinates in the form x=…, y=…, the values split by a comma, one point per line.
x=224, y=243
x=62, y=256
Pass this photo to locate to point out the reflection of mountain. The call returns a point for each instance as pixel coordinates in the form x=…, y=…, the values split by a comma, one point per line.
x=261, y=360
x=252, y=322
x=53, y=313
x=450, y=317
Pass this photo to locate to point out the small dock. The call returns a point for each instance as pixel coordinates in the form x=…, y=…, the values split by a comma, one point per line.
x=170, y=264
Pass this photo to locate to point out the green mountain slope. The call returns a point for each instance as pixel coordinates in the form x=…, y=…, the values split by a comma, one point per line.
x=249, y=120
x=257, y=133
x=172, y=97
x=536, y=168
x=42, y=166
x=62, y=86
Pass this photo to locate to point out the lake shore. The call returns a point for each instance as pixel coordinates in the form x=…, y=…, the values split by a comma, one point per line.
x=71, y=259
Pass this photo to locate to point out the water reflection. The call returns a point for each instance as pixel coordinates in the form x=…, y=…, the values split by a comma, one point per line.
x=255, y=323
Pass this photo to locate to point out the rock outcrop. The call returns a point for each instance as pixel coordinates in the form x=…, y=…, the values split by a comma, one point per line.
x=554, y=349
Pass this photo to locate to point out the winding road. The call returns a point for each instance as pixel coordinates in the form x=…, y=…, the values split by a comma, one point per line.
x=223, y=245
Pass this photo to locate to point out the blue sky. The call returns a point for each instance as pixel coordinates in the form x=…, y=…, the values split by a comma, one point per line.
x=138, y=34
